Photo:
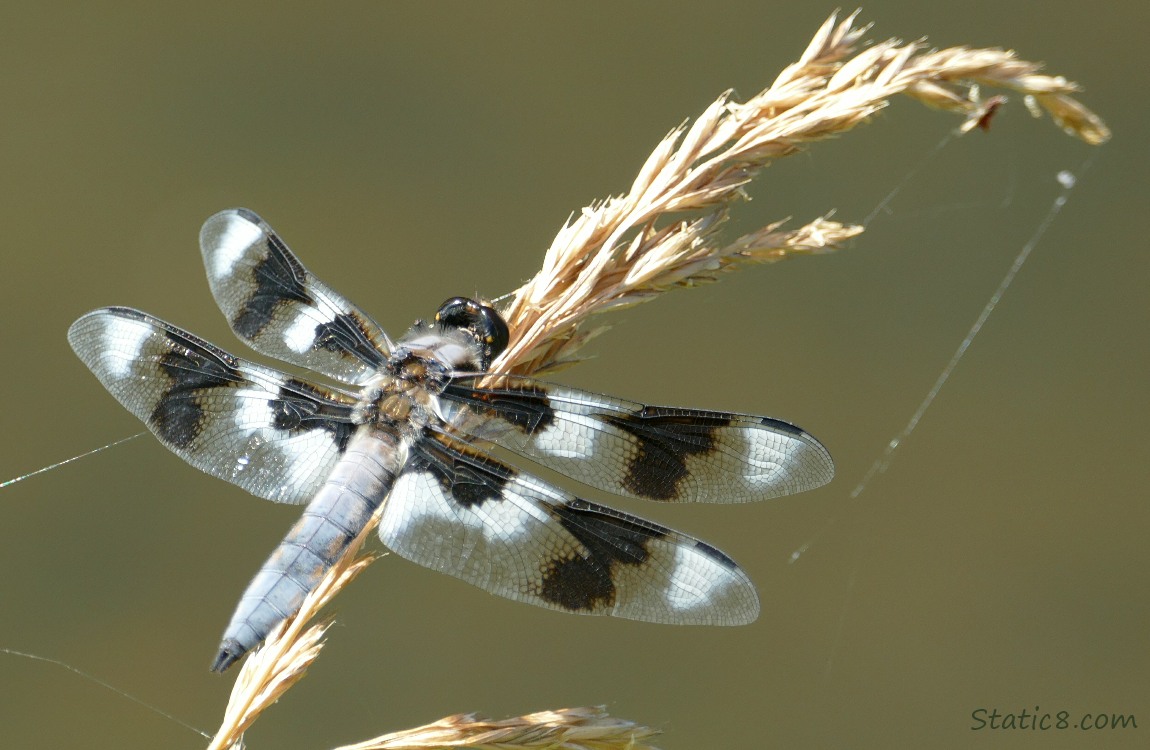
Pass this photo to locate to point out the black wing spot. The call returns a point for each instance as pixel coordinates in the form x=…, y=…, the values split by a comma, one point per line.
x=279, y=277
x=348, y=333
x=302, y=407
x=583, y=581
x=470, y=479
x=193, y=370
x=525, y=407
x=666, y=439
x=577, y=584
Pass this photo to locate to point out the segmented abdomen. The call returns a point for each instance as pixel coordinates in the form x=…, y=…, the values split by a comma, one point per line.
x=358, y=483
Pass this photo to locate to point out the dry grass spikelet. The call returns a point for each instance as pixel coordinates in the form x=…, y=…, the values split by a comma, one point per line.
x=564, y=729
x=664, y=233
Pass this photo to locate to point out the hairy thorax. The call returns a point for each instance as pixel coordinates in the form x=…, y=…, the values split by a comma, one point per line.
x=405, y=393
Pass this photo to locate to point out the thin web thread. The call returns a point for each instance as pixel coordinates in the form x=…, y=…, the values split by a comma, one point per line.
x=68, y=460
x=103, y=684
x=1067, y=180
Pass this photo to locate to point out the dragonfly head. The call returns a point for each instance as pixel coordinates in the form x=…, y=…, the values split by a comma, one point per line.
x=481, y=321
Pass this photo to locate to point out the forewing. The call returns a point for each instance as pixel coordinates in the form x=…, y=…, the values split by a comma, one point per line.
x=651, y=452
x=274, y=435
x=279, y=308
x=460, y=511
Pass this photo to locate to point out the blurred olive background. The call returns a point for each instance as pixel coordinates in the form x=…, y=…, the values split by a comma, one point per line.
x=411, y=152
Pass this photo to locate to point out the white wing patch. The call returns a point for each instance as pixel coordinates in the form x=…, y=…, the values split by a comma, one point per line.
x=300, y=335
x=418, y=500
x=239, y=235
x=123, y=341
x=781, y=465
x=692, y=583
x=253, y=411
x=573, y=437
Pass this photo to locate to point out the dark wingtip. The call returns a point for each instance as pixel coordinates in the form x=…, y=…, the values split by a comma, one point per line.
x=230, y=652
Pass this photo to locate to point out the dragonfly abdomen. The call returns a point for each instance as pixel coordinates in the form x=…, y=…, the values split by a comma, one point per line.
x=358, y=483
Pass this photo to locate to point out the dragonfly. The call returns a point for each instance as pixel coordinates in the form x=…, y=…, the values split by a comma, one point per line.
x=407, y=429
